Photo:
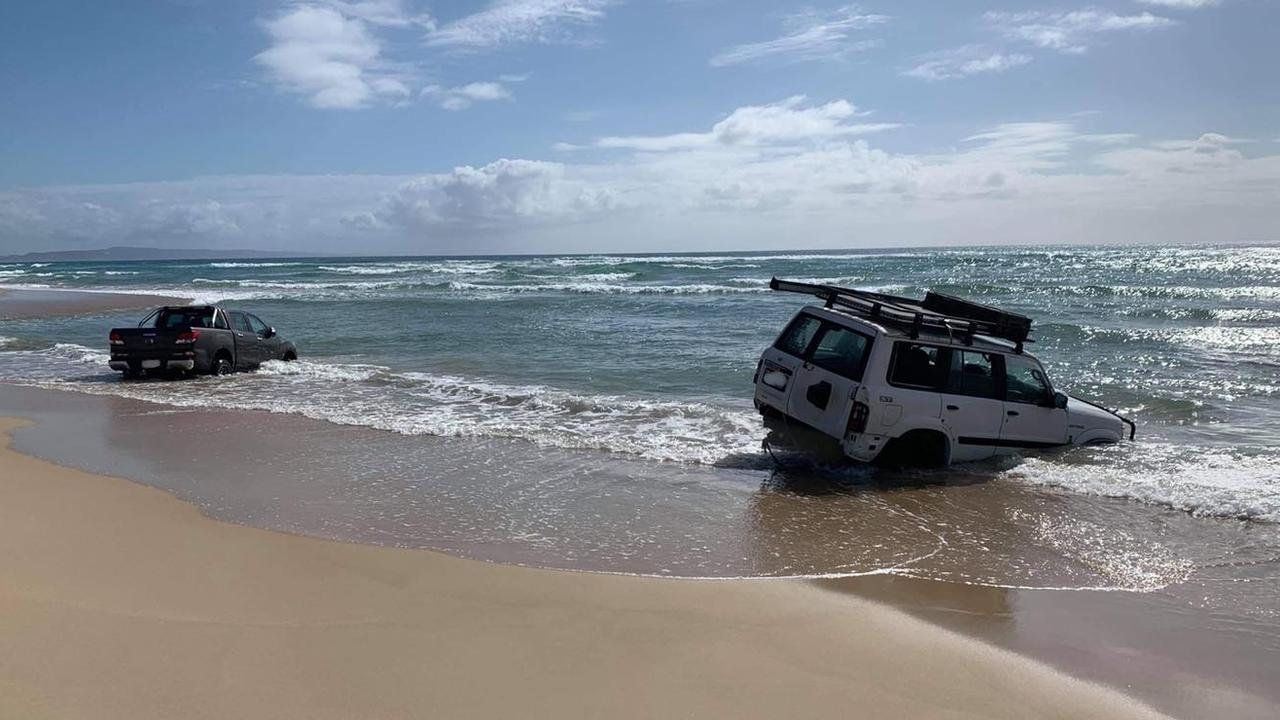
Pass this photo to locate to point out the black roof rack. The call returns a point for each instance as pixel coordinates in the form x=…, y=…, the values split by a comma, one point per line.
x=935, y=312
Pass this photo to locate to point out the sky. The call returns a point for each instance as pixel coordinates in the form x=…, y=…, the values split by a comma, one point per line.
x=523, y=126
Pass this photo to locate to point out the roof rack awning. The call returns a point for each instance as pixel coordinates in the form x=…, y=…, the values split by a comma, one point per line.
x=937, y=312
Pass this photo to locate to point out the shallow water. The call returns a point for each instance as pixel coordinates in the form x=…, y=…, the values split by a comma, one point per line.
x=594, y=413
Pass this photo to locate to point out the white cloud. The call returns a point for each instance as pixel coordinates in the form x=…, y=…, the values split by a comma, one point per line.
x=965, y=61
x=511, y=21
x=789, y=121
x=330, y=57
x=464, y=96
x=775, y=175
x=495, y=195
x=1069, y=31
x=385, y=13
x=1185, y=4
x=810, y=36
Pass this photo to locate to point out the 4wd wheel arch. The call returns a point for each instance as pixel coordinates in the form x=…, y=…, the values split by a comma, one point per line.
x=917, y=448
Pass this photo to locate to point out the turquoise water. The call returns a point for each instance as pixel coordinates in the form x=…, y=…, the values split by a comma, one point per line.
x=651, y=356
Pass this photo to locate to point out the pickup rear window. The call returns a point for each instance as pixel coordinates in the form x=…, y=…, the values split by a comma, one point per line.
x=185, y=317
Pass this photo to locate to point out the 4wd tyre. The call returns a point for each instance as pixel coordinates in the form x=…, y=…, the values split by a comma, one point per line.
x=221, y=366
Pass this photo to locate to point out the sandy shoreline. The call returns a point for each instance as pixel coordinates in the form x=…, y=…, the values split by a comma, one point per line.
x=121, y=601
x=22, y=303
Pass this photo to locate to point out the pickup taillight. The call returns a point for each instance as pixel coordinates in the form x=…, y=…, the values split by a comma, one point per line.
x=187, y=337
x=115, y=338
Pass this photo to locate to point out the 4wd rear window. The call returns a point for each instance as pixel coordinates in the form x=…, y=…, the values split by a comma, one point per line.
x=842, y=351
x=918, y=366
x=185, y=317
x=973, y=373
x=796, y=338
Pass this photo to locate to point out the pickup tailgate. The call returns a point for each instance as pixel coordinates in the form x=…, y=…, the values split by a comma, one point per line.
x=138, y=349
x=147, y=340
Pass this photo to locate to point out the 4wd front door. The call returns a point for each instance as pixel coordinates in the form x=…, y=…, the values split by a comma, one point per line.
x=972, y=407
x=824, y=385
x=246, y=341
x=1031, y=419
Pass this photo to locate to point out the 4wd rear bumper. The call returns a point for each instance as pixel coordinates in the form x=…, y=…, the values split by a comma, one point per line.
x=153, y=364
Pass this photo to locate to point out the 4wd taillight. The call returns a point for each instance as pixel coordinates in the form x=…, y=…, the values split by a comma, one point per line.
x=115, y=338
x=187, y=337
x=857, y=418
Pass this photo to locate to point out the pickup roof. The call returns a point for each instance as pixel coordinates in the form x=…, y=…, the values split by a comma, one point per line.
x=197, y=338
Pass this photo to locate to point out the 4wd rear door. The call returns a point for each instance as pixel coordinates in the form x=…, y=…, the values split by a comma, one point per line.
x=823, y=388
x=779, y=364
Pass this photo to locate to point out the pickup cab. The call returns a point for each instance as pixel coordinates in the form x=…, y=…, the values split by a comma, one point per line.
x=930, y=382
x=196, y=339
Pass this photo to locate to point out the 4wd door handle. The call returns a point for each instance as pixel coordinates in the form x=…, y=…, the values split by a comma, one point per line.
x=953, y=407
x=1011, y=413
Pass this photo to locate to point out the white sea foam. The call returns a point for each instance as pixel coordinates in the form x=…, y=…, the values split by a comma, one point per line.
x=602, y=288
x=253, y=264
x=1198, y=480
x=414, y=403
x=398, y=268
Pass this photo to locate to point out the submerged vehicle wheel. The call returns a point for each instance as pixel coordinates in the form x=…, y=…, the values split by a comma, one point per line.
x=290, y=356
x=916, y=449
x=221, y=366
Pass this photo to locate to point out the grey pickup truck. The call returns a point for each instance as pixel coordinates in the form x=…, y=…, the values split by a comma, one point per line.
x=197, y=339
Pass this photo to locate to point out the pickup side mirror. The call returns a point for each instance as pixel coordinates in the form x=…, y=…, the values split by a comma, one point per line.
x=1060, y=400
x=271, y=332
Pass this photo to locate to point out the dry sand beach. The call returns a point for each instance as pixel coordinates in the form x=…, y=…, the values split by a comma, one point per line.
x=119, y=600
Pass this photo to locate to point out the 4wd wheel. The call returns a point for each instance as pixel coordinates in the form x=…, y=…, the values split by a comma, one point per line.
x=290, y=356
x=917, y=449
x=221, y=366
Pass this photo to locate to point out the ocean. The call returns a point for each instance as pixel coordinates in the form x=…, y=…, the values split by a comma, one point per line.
x=563, y=389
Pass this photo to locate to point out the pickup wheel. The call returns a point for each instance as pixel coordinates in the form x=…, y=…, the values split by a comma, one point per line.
x=221, y=366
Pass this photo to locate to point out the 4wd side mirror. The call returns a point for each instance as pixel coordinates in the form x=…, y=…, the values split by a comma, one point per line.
x=1060, y=400
x=271, y=332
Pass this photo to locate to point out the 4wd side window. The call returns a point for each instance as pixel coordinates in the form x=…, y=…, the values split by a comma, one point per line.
x=240, y=322
x=796, y=338
x=842, y=351
x=258, y=326
x=918, y=366
x=1025, y=382
x=973, y=373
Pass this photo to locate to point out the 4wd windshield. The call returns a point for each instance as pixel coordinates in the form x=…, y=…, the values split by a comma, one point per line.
x=184, y=317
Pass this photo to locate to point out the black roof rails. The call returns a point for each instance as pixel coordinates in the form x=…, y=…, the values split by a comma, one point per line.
x=935, y=312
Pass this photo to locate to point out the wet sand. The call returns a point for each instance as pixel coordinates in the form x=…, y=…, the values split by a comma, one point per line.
x=121, y=601
x=16, y=303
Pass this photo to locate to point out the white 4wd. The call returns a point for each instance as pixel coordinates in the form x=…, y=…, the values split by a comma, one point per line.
x=919, y=382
